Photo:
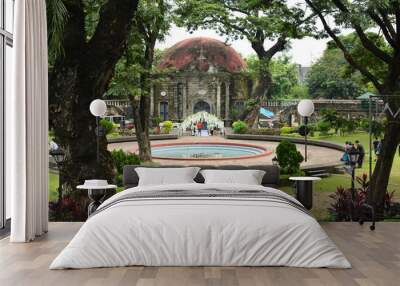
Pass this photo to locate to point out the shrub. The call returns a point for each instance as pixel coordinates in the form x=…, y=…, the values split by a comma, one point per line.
x=287, y=130
x=156, y=121
x=341, y=205
x=377, y=127
x=122, y=158
x=167, y=125
x=323, y=126
x=288, y=157
x=263, y=131
x=68, y=209
x=351, y=126
x=239, y=127
x=340, y=208
x=107, y=125
x=310, y=129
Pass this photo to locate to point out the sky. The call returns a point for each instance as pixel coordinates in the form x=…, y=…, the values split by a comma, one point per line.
x=304, y=52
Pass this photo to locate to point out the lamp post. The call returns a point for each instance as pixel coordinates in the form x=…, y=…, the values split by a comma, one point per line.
x=305, y=108
x=98, y=108
x=353, y=155
x=59, y=157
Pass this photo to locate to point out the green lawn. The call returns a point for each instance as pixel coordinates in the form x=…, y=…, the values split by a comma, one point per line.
x=53, y=186
x=394, y=182
x=328, y=185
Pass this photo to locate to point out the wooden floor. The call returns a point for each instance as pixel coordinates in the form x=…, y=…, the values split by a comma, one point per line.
x=375, y=257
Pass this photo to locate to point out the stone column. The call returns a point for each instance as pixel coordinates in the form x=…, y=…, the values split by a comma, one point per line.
x=184, y=100
x=227, y=98
x=218, y=99
x=152, y=101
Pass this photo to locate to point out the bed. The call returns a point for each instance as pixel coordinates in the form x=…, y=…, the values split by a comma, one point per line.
x=201, y=224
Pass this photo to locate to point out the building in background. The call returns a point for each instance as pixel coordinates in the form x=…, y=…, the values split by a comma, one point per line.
x=303, y=72
x=200, y=74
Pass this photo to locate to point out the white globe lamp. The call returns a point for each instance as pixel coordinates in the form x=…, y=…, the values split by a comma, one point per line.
x=98, y=107
x=305, y=108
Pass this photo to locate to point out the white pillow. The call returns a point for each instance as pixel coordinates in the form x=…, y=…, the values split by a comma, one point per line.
x=166, y=176
x=248, y=177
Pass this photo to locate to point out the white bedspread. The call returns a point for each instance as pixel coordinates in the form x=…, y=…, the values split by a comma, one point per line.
x=202, y=232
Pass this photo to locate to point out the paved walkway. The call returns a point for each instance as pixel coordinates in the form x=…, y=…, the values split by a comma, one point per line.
x=316, y=155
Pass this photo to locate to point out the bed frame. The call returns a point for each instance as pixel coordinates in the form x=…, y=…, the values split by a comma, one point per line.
x=270, y=179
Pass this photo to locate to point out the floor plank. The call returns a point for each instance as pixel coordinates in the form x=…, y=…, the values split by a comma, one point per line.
x=375, y=257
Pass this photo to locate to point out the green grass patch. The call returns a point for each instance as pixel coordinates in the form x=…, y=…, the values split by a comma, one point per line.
x=53, y=186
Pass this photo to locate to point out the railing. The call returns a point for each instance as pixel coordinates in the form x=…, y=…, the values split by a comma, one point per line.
x=340, y=104
x=117, y=102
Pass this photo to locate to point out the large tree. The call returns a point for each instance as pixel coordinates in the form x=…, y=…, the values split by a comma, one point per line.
x=284, y=74
x=134, y=73
x=329, y=78
x=93, y=36
x=333, y=77
x=258, y=21
x=361, y=16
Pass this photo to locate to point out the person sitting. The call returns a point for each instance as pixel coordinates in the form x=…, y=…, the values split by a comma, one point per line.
x=345, y=157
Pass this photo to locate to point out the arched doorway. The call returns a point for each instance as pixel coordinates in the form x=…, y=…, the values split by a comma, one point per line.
x=202, y=106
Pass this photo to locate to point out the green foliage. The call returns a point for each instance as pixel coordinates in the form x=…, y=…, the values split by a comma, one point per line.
x=132, y=73
x=107, y=125
x=323, y=126
x=122, y=158
x=350, y=126
x=285, y=77
x=377, y=127
x=263, y=131
x=57, y=16
x=329, y=78
x=353, y=43
x=243, y=18
x=167, y=125
x=300, y=91
x=239, y=127
x=287, y=130
x=288, y=157
x=303, y=130
x=156, y=121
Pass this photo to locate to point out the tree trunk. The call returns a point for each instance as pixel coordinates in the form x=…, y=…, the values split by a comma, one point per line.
x=258, y=95
x=141, y=105
x=381, y=174
x=141, y=111
x=80, y=75
x=264, y=81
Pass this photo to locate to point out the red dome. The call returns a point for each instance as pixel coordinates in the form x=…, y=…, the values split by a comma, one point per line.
x=202, y=53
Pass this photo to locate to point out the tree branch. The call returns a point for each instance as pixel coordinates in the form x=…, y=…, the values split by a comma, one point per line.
x=388, y=35
x=115, y=19
x=397, y=13
x=277, y=47
x=366, y=42
x=346, y=53
x=387, y=23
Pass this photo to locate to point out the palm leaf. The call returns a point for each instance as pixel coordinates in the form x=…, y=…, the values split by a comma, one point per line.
x=57, y=15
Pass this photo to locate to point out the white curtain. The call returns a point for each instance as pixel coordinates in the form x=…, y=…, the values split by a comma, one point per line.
x=27, y=124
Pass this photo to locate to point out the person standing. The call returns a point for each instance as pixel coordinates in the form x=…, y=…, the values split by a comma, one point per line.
x=379, y=149
x=361, y=153
x=375, y=144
